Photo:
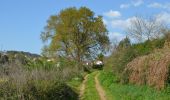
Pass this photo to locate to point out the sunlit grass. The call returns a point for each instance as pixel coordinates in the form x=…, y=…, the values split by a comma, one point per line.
x=117, y=91
x=75, y=84
x=90, y=89
x=3, y=80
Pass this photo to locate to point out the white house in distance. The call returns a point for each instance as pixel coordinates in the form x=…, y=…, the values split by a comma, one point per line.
x=98, y=64
x=94, y=64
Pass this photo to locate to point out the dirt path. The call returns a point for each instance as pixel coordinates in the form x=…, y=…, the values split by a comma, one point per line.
x=82, y=88
x=99, y=88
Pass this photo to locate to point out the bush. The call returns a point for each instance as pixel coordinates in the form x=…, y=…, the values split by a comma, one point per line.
x=148, y=46
x=33, y=90
x=121, y=59
x=17, y=82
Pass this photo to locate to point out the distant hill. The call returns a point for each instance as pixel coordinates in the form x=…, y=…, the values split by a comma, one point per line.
x=28, y=54
x=19, y=56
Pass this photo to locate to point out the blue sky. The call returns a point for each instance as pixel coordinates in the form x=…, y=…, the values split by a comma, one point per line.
x=22, y=21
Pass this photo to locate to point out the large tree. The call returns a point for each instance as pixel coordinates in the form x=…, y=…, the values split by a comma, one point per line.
x=75, y=33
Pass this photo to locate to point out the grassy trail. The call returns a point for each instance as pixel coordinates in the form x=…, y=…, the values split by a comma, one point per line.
x=99, y=88
x=91, y=88
x=101, y=85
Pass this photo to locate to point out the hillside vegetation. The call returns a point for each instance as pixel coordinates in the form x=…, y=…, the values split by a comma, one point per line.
x=145, y=63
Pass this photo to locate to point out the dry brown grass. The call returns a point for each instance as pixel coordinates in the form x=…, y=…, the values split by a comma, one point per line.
x=152, y=69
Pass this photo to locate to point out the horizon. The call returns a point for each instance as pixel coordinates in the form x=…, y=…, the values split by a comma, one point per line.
x=23, y=21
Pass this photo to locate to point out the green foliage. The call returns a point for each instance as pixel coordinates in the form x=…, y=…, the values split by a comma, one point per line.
x=61, y=92
x=4, y=59
x=166, y=34
x=124, y=44
x=148, y=46
x=75, y=83
x=124, y=54
x=123, y=58
x=100, y=57
x=75, y=33
x=67, y=62
x=41, y=63
x=53, y=64
x=37, y=90
x=117, y=91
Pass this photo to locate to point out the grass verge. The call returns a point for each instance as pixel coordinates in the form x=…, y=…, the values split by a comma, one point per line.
x=75, y=84
x=117, y=91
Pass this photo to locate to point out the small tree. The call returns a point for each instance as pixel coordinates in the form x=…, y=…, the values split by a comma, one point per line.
x=100, y=57
x=124, y=44
x=75, y=33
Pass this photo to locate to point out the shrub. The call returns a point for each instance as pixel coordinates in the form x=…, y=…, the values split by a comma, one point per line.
x=17, y=82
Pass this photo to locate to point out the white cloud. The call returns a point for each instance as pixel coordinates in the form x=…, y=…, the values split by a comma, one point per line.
x=155, y=5
x=105, y=21
x=122, y=24
x=137, y=2
x=159, y=5
x=163, y=17
x=124, y=6
x=134, y=3
x=113, y=14
x=118, y=23
x=116, y=36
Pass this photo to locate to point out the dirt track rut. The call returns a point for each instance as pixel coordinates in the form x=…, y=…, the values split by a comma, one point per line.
x=99, y=88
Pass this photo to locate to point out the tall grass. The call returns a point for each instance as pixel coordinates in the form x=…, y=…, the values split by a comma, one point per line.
x=117, y=91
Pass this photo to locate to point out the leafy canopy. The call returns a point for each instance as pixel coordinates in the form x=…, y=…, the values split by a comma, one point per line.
x=75, y=33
